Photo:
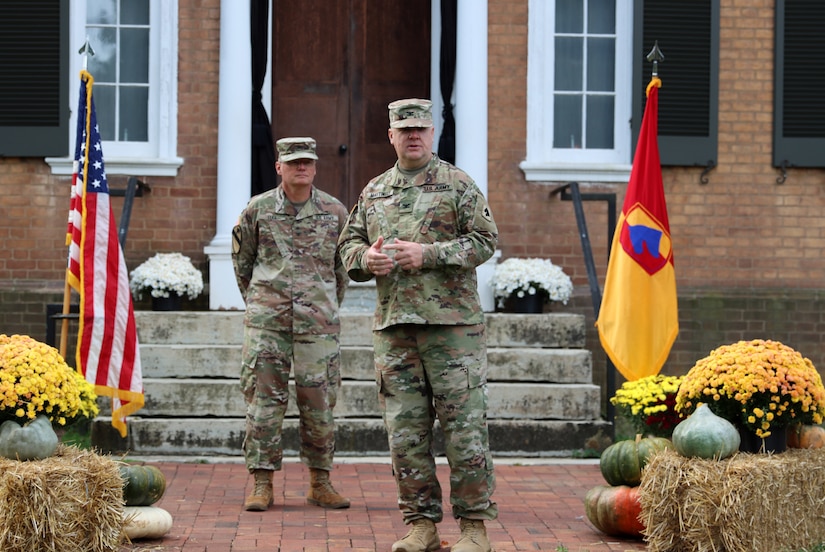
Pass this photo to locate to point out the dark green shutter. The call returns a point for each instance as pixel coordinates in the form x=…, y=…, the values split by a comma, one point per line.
x=688, y=35
x=34, y=113
x=799, y=99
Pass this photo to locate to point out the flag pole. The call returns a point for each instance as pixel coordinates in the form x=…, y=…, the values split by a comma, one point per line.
x=86, y=50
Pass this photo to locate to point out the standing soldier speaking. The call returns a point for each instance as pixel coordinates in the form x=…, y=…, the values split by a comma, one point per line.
x=292, y=280
x=421, y=229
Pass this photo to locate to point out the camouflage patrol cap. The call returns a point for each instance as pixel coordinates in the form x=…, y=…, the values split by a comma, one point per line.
x=290, y=149
x=411, y=113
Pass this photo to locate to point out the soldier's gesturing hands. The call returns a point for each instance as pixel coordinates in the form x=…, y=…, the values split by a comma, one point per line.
x=408, y=255
x=382, y=256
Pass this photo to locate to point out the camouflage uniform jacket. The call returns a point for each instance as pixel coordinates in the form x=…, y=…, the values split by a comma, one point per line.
x=442, y=209
x=286, y=265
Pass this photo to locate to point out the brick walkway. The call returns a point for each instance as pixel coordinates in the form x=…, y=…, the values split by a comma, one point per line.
x=540, y=508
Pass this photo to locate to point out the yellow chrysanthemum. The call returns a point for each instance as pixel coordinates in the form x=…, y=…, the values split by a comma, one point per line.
x=35, y=379
x=648, y=403
x=760, y=384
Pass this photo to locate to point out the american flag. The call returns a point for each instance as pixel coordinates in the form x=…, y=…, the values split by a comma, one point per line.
x=108, y=354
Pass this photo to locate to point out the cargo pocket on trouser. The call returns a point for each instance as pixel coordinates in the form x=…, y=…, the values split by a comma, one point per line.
x=334, y=372
x=248, y=385
x=265, y=368
x=249, y=378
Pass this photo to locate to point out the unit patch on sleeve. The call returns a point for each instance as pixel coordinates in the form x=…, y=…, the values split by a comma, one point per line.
x=236, y=239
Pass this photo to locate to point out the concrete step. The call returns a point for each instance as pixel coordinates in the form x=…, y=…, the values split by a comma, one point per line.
x=542, y=401
x=552, y=330
x=355, y=437
x=171, y=398
x=504, y=364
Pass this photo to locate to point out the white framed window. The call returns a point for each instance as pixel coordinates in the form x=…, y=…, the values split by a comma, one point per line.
x=579, y=74
x=135, y=43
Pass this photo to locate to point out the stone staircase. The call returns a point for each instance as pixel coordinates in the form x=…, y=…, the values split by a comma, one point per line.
x=542, y=401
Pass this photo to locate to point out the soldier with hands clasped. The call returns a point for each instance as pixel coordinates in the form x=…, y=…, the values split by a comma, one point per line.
x=292, y=280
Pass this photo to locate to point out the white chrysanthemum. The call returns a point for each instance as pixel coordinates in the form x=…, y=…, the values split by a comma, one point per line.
x=529, y=277
x=164, y=274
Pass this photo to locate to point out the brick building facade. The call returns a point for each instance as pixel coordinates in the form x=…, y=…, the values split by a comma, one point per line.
x=748, y=250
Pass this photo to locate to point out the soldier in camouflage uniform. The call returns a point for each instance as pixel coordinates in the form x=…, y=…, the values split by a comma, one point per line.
x=292, y=280
x=421, y=228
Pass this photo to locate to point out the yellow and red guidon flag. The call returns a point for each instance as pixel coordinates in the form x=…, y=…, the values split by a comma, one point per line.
x=108, y=354
x=638, y=319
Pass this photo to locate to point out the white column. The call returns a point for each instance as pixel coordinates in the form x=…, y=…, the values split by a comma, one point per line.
x=435, y=70
x=471, y=115
x=234, y=150
x=471, y=90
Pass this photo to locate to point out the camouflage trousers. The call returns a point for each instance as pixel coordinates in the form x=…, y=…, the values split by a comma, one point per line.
x=267, y=359
x=424, y=372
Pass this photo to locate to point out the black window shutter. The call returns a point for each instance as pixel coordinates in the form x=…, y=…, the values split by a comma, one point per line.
x=688, y=35
x=799, y=99
x=34, y=113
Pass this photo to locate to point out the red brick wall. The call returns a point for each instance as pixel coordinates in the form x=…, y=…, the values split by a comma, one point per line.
x=740, y=230
x=179, y=212
x=748, y=250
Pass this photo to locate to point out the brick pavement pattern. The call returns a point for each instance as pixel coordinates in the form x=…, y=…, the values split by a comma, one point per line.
x=541, y=508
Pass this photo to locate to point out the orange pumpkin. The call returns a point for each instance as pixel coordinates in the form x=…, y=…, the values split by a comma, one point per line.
x=806, y=436
x=615, y=510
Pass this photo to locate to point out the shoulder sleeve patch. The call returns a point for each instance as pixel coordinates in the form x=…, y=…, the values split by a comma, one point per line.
x=236, y=239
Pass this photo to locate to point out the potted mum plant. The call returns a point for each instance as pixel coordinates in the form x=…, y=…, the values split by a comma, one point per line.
x=760, y=386
x=166, y=276
x=38, y=392
x=649, y=404
x=527, y=284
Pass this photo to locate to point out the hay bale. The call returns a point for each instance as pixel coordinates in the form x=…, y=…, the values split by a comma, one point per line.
x=72, y=501
x=746, y=503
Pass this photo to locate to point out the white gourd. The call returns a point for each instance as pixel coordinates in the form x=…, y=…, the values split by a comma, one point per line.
x=146, y=522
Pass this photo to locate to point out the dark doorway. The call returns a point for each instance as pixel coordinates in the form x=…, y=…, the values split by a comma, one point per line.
x=336, y=66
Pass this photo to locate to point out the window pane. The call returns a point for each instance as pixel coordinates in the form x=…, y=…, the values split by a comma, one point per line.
x=601, y=17
x=134, y=105
x=134, y=55
x=569, y=16
x=569, y=59
x=134, y=12
x=567, y=126
x=600, y=64
x=102, y=64
x=101, y=12
x=599, y=122
x=104, y=98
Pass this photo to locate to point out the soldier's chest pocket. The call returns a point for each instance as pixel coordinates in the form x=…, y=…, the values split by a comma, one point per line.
x=275, y=238
x=318, y=236
x=427, y=210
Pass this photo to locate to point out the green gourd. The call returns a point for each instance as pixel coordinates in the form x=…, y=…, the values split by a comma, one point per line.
x=34, y=440
x=142, y=485
x=705, y=435
x=621, y=463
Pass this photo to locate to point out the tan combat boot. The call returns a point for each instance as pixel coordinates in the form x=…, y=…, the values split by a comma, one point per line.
x=321, y=491
x=422, y=537
x=261, y=497
x=473, y=537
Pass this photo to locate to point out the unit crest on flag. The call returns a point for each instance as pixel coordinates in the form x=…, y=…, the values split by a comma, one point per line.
x=645, y=240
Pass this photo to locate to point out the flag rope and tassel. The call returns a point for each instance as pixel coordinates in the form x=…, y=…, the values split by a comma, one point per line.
x=638, y=317
x=108, y=352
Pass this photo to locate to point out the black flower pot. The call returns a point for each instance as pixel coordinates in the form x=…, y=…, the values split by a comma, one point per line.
x=171, y=303
x=529, y=304
x=776, y=442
